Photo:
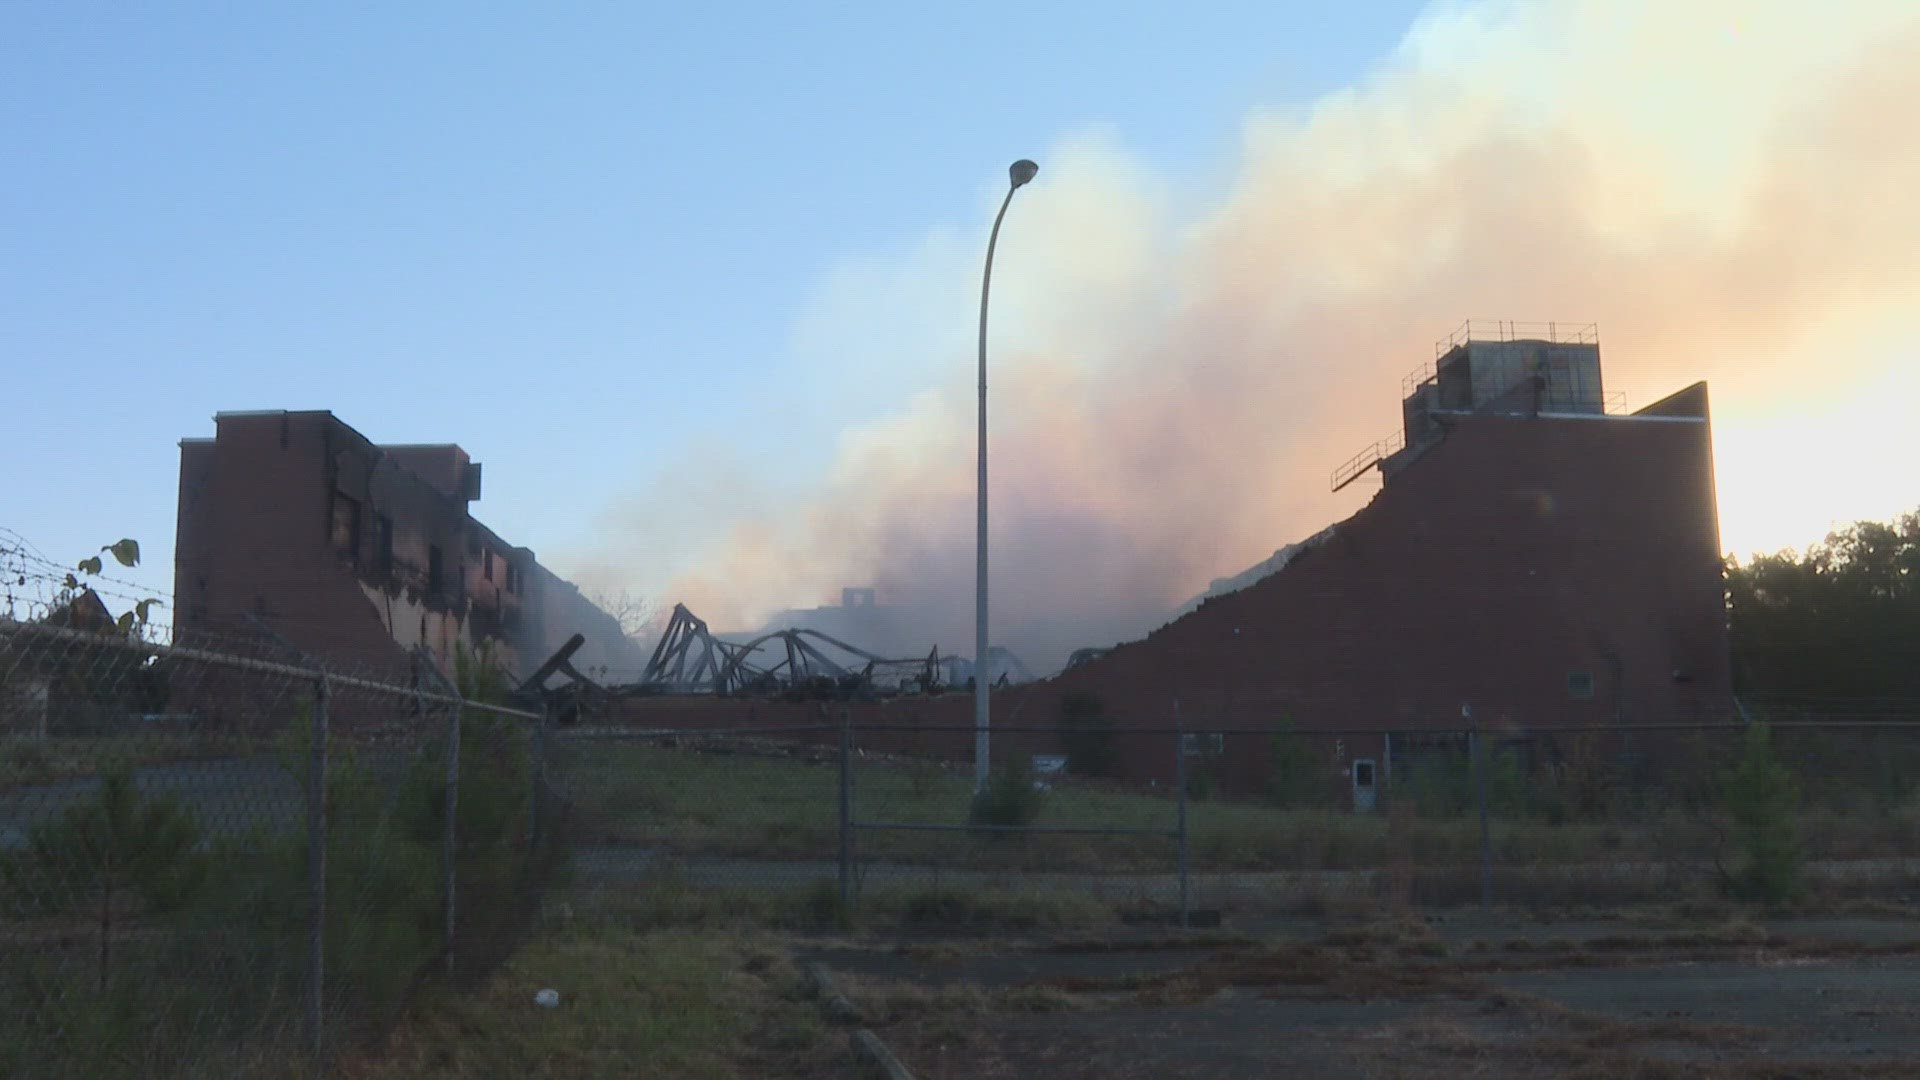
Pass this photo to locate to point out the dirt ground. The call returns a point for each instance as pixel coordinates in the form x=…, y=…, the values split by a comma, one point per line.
x=1827, y=998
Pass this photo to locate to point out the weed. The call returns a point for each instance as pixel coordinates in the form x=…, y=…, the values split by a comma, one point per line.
x=1760, y=794
x=1010, y=800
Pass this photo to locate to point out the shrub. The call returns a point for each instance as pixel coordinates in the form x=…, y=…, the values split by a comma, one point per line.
x=491, y=814
x=1010, y=799
x=385, y=867
x=1760, y=794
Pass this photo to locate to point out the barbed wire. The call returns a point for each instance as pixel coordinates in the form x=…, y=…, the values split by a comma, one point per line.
x=13, y=544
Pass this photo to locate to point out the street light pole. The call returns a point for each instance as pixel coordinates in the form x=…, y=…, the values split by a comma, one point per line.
x=1018, y=174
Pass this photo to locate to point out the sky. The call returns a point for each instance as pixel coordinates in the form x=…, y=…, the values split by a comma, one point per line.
x=697, y=286
x=580, y=240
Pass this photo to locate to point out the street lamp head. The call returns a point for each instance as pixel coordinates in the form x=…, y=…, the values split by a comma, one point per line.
x=1022, y=171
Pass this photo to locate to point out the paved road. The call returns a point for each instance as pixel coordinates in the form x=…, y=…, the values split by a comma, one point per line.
x=229, y=797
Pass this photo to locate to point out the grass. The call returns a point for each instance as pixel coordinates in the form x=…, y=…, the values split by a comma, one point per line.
x=780, y=807
x=676, y=1003
x=781, y=803
x=670, y=902
x=888, y=1001
x=202, y=1001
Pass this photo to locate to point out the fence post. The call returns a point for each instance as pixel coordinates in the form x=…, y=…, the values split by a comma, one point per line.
x=1478, y=754
x=846, y=810
x=1180, y=779
x=539, y=772
x=450, y=852
x=317, y=876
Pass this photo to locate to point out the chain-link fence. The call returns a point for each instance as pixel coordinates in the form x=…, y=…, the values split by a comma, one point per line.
x=223, y=857
x=218, y=857
x=831, y=823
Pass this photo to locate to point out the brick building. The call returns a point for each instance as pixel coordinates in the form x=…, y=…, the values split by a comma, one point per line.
x=1531, y=560
x=296, y=525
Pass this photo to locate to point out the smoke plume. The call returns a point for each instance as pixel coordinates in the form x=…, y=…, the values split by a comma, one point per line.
x=1726, y=188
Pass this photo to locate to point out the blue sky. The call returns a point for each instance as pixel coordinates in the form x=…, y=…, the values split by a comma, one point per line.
x=572, y=238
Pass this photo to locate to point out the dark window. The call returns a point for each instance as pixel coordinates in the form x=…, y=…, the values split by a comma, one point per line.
x=345, y=529
x=486, y=565
x=513, y=576
x=1580, y=686
x=435, y=570
x=384, y=541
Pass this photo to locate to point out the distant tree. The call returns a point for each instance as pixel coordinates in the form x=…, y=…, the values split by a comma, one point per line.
x=635, y=614
x=1842, y=617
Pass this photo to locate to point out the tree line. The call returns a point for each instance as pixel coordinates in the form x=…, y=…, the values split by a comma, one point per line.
x=1842, y=617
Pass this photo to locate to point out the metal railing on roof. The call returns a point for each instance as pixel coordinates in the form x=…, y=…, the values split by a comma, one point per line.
x=1357, y=465
x=1415, y=379
x=1509, y=330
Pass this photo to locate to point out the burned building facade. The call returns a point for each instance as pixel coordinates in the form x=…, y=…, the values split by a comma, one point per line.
x=294, y=525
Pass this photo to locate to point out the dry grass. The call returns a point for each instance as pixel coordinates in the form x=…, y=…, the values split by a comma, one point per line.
x=1467, y=1027
x=888, y=1001
x=1370, y=963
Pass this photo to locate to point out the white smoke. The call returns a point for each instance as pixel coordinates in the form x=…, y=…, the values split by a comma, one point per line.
x=1725, y=187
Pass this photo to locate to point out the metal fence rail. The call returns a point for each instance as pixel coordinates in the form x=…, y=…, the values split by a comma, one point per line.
x=814, y=825
x=218, y=854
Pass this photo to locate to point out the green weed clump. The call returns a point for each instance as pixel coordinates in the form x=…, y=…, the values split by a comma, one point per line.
x=1010, y=800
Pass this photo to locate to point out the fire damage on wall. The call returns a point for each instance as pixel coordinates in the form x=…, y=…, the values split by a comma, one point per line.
x=296, y=526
